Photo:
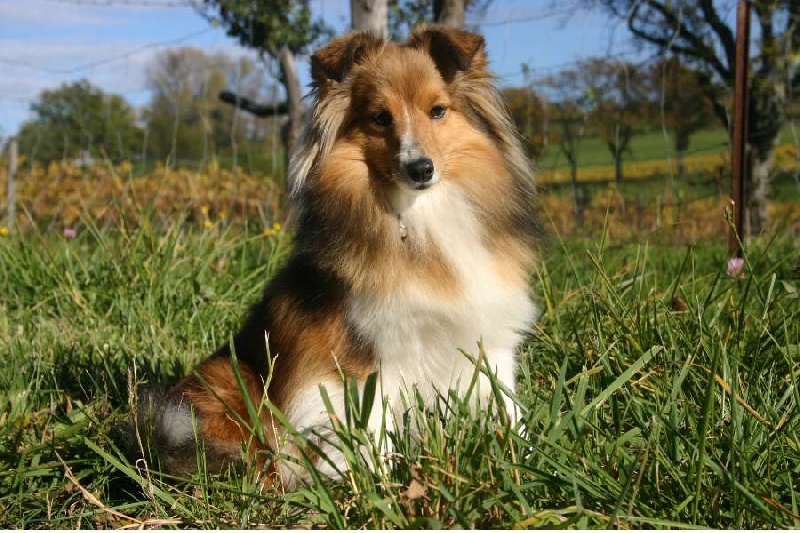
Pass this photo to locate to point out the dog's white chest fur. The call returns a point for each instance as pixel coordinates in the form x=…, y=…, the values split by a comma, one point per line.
x=416, y=334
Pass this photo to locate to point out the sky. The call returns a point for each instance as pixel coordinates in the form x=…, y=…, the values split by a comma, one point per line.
x=46, y=43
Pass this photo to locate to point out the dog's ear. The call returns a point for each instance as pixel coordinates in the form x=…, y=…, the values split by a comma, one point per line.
x=334, y=61
x=452, y=50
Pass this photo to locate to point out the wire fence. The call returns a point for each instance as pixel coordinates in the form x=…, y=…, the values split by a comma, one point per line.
x=69, y=197
x=660, y=197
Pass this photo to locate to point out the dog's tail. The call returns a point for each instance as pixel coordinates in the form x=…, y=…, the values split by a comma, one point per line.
x=204, y=421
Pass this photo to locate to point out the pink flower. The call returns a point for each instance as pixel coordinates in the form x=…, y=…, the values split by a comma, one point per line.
x=735, y=267
x=70, y=233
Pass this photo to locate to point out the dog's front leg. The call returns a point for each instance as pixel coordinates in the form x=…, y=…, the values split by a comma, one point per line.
x=502, y=363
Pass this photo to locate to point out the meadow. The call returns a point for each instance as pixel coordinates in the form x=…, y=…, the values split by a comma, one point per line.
x=652, y=145
x=657, y=390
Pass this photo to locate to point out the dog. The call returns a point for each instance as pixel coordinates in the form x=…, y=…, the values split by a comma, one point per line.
x=415, y=234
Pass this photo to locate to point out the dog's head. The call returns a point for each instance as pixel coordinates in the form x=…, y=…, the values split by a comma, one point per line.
x=404, y=110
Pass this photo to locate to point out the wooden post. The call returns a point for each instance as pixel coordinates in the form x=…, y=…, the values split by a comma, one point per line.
x=11, y=196
x=739, y=157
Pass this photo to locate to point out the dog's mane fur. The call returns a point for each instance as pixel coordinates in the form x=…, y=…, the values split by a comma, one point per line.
x=473, y=92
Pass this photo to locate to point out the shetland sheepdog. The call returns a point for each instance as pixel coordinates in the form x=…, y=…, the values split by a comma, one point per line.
x=414, y=238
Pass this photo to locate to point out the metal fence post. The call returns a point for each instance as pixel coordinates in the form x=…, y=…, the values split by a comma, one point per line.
x=739, y=159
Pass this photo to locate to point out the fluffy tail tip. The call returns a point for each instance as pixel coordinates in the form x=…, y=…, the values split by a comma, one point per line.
x=162, y=431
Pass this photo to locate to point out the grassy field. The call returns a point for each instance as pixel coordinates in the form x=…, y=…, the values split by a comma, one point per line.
x=652, y=145
x=658, y=392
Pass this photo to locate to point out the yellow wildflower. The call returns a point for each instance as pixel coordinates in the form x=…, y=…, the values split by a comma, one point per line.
x=274, y=230
x=125, y=167
x=208, y=224
x=3, y=231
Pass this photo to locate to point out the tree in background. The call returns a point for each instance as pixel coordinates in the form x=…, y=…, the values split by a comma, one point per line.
x=370, y=15
x=681, y=104
x=527, y=109
x=79, y=119
x=568, y=113
x=184, y=119
x=617, y=92
x=696, y=30
x=280, y=29
x=404, y=15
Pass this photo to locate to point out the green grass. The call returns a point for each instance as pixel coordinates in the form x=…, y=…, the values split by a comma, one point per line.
x=644, y=147
x=658, y=392
x=647, y=146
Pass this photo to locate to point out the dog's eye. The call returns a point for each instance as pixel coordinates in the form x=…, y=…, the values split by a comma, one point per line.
x=382, y=118
x=438, y=111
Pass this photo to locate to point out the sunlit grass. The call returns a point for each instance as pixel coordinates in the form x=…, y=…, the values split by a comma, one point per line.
x=649, y=146
x=657, y=392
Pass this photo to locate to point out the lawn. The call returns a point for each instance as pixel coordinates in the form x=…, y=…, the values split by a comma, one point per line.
x=658, y=392
x=647, y=146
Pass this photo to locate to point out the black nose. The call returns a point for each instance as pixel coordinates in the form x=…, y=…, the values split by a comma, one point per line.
x=420, y=170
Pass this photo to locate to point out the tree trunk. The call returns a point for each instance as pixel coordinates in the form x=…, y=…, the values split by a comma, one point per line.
x=682, y=138
x=758, y=190
x=370, y=15
x=449, y=12
x=618, y=181
x=681, y=163
x=766, y=101
x=577, y=194
x=294, y=101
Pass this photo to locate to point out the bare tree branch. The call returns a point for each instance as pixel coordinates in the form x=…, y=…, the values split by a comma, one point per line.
x=722, y=30
x=254, y=108
x=768, y=43
x=695, y=46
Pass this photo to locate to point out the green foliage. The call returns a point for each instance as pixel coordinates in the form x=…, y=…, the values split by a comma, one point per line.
x=656, y=392
x=268, y=25
x=404, y=15
x=77, y=118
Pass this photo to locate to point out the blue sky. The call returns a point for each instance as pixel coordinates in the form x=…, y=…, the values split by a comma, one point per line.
x=44, y=43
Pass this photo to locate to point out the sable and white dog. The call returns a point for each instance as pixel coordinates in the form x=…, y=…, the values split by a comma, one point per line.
x=415, y=235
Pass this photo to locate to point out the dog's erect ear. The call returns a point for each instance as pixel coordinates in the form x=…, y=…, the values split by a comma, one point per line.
x=452, y=50
x=334, y=61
